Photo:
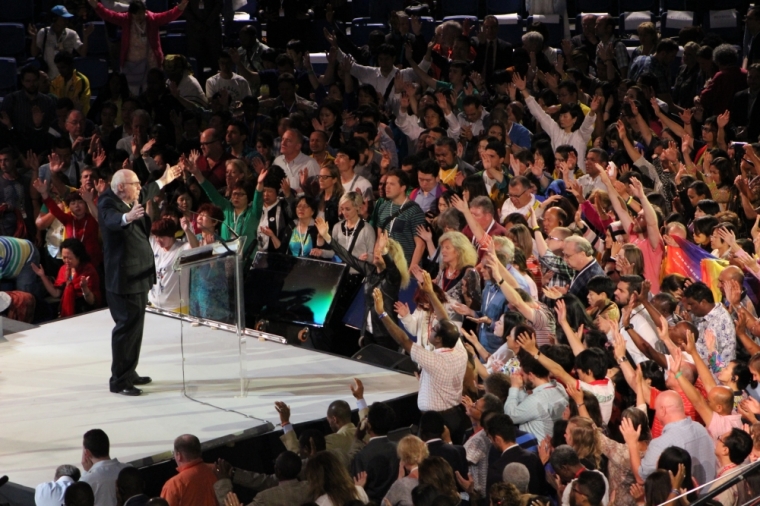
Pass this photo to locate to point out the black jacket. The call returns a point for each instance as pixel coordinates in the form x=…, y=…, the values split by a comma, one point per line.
x=537, y=483
x=503, y=57
x=741, y=115
x=455, y=455
x=127, y=255
x=380, y=461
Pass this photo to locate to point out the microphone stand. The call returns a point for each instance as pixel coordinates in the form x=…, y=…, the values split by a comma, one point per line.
x=222, y=241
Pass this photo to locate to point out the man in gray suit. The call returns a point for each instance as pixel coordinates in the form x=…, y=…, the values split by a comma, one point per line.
x=282, y=489
x=130, y=271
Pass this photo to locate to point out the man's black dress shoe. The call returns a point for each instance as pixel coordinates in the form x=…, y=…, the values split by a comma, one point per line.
x=142, y=380
x=130, y=391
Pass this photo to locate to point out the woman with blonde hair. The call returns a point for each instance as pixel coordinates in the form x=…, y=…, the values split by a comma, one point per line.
x=649, y=37
x=354, y=234
x=329, y=481
x=586, y=439
x=235, y=171
x=458, y=277
x=387, y=270
x=523, y=239
x=411, y=451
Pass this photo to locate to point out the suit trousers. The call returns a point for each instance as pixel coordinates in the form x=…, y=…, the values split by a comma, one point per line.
x=128, y=312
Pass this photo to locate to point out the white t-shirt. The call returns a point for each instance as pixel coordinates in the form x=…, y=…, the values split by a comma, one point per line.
x=168, y=293
x=238, y=87
x=190, y=89
x=69, y=41
x=360, y=185
x=604, y=391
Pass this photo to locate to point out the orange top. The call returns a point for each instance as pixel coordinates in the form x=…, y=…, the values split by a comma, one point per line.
x=193, y=486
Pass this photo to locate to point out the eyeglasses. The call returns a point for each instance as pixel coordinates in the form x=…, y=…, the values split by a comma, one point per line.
x=568, y=255
x=517, y=196
x=207, y=143
x=239, y=194
x=554, y=238
x=134, y=182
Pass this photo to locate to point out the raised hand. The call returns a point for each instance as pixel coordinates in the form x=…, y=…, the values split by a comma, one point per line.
x=55, y=162
x=137, y=212
x=357, y=389
x=424, y=234
x=360, y=479
x=38, y=270
x=323, y=228
x=42, y=187
x=527, y=342
x=401, y=308
x=630, y=435
x=519, y=81
x=596, y=103
x=723, y=119
x=377, y=296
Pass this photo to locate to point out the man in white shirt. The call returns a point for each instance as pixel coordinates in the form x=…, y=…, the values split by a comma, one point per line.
x=346, y=159
x=639, y=319
x=56, y=38
x=226, y=79
x=293, y=161
x=472, y=117
x=101, y=471
x=591, y=180
x=51, y=493
x=521, y=199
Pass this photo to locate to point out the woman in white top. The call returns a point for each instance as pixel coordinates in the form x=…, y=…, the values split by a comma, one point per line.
x=420, y=323
x=352, y=232
x=432, y=116
x=329, y=481
x=563, y=131
x=168, y=293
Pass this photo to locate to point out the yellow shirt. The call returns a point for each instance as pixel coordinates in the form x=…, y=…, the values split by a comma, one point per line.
x=77, y=89
x=448, y=177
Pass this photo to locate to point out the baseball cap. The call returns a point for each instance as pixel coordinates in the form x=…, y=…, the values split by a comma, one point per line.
x=61, y=12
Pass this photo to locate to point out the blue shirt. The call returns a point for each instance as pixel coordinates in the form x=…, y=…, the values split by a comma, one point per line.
x=692, y=437
x=537, y=412
x=493, y=304
x=520, y=135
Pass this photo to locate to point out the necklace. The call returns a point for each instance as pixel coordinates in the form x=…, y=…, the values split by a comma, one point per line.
x=302, y=237
x=74, y=227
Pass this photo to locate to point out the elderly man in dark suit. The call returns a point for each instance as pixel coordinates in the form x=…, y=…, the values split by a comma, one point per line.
x=493, y=53
x=130, y=270
x=505, y=450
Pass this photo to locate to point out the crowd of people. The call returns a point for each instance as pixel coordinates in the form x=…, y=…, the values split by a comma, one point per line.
x=580, y=224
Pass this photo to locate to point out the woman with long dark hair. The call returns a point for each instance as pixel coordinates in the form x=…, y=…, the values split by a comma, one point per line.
x=329, y=481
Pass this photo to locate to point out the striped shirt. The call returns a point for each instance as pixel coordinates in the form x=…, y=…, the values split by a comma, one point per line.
x=403, y=228
x=14, y=254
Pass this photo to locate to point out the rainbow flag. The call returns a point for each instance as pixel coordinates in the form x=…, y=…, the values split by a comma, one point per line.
x=693, y=262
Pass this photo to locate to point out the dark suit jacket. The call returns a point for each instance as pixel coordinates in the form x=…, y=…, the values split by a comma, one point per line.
x=127, y=254
x=503, y=56
x=455, y=455
x=742, y=116
x=380, y=462
x=537, y=484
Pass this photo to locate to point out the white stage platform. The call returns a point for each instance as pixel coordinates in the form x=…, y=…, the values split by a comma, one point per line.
x=54, y=387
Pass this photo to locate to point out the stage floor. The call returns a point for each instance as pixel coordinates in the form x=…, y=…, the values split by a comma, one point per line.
x=54, y=387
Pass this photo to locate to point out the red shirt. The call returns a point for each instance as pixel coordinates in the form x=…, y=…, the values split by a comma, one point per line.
x=217, y=174
x=85, y=229
x=687, y=405
x=495, y=230
x=193, y=486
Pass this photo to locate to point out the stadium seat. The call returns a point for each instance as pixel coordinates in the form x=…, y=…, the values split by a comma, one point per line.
x=510, y=28
x=178, y=26
x=505, y=6
x=251, y=7
x=360, y=8
x=361, y=28
x=98, y=42
x=193, y=65
x=579, y=20
x=672, y=21
x=174, y=43
x=157, y=5
x=8, y=77
x=428, y=28
x=724, y=23
x=13, y=39
x=630, y=21
x=96, y=71
x=459, y=7
x=16, y=10
x=553, y=23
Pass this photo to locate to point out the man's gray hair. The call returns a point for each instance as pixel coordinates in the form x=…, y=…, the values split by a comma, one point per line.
x=484, y=203
x=142, y=113
x=68, y=470
x=119, y=177
x=518, y=475
x=450, y=219
x=505, y=249
x=725, y=55
x=581, y=244
x=533, y=39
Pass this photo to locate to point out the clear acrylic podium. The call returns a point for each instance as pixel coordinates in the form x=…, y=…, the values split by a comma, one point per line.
x=213, y=336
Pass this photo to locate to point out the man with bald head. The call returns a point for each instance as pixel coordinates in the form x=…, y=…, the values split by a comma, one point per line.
x=213, y=160
x=731, y=282
x=194, y=485
x=716, y=411
x=683, y=432
x=130, y=270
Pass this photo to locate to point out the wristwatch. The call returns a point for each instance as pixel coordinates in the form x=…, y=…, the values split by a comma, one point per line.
x=628, y=327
